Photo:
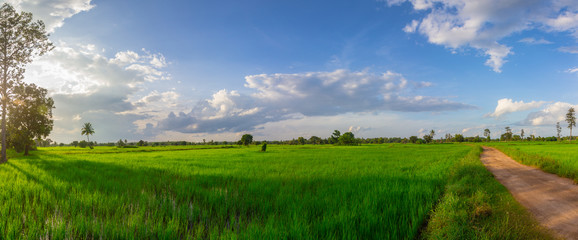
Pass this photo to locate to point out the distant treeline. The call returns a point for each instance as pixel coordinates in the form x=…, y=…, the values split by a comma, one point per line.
x=302, y=141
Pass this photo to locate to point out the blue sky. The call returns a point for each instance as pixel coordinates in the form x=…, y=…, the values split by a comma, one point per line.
x=214, y=70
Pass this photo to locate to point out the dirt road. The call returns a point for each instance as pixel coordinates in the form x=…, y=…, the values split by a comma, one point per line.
x=553, y=200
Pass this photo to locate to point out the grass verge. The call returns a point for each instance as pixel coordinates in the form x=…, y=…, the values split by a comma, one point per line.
x=554, y=158
x=477, y=206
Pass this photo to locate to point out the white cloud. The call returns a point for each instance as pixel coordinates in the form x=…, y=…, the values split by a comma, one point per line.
x=566, y=21
x=569, y=49
x=75, y=70
x=422, y=132
x=410, y=28
x=549, y=115
x=506, y=105
x=573, y=70
x=534, y=41
x=146, y=64
x=125, y=58
x=89, y=86
x=279, y=97
x=353, y=129
x=481, y=24
x=53, y=12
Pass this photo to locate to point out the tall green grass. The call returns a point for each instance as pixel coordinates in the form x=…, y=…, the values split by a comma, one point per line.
x=553, y=157
x=288, y=192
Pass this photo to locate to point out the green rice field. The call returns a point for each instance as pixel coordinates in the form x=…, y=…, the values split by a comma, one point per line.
x=289, y=192
x=380, y=192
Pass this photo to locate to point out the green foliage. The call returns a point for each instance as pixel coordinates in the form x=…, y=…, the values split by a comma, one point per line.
x=21, y=39
x=315, y=140
x=413, y=139
x=301, y=140
x=246, y=139
x=30, y=116
x=459, y=138
x=142, y=143
x=347, y=139
x=129, y=146
x=427, y=138
x=571, y=120
x=264, y=147
x=87, y=130
x=487, y=134
x=83, y=144
x=507, y=136
x=334, y=139
x=19, y=142
x=477, y=206
x=516, y=138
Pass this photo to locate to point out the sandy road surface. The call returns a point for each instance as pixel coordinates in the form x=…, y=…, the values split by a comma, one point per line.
x=553, y=200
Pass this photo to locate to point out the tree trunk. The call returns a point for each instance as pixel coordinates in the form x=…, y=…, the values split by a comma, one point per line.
x=4, y=98
x=570, y=134
x=26, y=150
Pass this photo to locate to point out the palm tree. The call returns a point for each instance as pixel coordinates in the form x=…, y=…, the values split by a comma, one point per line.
x=87, y=130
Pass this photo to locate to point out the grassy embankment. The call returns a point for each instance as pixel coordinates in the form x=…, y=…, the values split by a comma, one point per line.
x=552, y=157
x=310, y=192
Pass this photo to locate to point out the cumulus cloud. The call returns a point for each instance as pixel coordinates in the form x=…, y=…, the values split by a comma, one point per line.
x=53, y=12
x=279, y=97
x=506, y=105
x=481, y=24
x=78, y=70
x=549, y=115
x=109, y=92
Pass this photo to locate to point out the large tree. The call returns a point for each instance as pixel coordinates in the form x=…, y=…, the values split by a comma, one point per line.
x=558, y=130
x=334, y=139
x=29, y=115
x=428, y=138
x=347, y=139
x=21, y=39
x=508, y=135
x=315, y=140
x=571, y=120
x=487, y=134
x=246, y=139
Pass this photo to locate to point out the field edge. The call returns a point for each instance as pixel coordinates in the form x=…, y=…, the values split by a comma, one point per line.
x=476, y=206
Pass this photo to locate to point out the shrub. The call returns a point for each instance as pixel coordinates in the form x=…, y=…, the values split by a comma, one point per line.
x=264, y=147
